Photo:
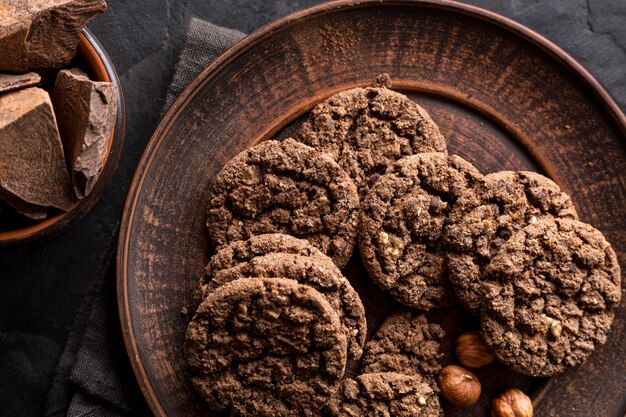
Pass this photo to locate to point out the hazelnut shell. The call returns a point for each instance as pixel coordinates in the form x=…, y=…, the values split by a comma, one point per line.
x=459, y=386
x=472, y=351
x=512, y=403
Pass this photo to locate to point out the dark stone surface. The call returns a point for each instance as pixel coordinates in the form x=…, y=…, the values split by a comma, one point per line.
x=41, y=286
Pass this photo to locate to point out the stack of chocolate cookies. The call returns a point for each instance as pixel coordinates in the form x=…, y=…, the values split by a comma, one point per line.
x=276, y=321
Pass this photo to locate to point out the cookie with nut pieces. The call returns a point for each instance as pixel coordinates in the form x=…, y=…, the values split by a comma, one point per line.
x=285, y=187
x=402, y=222
x=317, y=272
x=367, y=129
x=486, y=216
x=384, y=394
x=550, y=295
x=241, y=251
x=265, y=347
x=405, y=343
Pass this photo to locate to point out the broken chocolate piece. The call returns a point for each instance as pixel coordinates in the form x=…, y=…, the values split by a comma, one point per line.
x=42, y=34
x=85, y=112
x=10, y=82
x=32, y=165
x=25, y=209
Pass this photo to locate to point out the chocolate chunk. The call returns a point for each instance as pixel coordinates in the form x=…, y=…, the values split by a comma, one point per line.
x=10, y=82
x=32, y=165
x=85, y=112
x=29, y=210
x=42, y=34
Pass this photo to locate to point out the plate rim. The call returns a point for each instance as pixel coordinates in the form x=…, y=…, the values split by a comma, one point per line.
x=567, y=61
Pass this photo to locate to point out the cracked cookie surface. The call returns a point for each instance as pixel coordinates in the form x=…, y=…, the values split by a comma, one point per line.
x=405, y=343
x=285, y=187
x=486, y=216
x=384, y=394
x=319, y=273
x=265, y=347
x=549, y=296
x=367, y=129
x=401, y=227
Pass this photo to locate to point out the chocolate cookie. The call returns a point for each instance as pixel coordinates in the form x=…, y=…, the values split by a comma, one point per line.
x=549, y=295
x=242, y=251
x=405, y=343
x=384, y=395
x=367, y=129
x=319, y=273
x=245, y=250
x=402, y=222
x=488, y=215
x=285, y=187
x=265, y=347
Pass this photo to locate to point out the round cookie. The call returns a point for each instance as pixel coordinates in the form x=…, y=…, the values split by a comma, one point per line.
x=318, y=273
x=367, y=129
x=384, y=395
x=265, y=347
x=285, y=187
x=487, y=216
x=242, y=251
x=402, y=222
x=405, y=343
x=245, y=250
x=549, y=295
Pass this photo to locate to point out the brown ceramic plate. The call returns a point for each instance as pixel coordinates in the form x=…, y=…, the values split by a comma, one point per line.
x=504, y=97
x=92, y=58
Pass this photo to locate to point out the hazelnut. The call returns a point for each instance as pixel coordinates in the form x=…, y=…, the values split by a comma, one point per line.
x=472, y=351
x=459, y=386
x=512, y=403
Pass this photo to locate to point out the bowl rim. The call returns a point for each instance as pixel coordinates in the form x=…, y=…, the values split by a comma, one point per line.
x=100, y=65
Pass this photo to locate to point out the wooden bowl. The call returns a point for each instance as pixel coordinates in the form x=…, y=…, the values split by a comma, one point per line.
x=92, y=58
x=503, y=96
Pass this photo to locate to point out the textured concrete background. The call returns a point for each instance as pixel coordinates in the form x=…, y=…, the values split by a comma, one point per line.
x=41, y=287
